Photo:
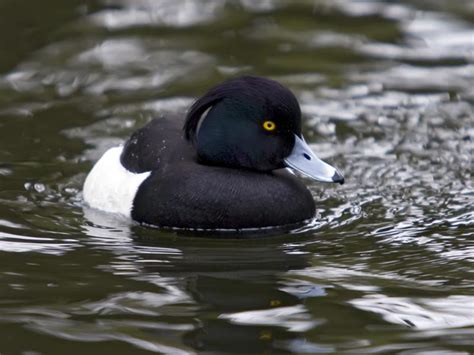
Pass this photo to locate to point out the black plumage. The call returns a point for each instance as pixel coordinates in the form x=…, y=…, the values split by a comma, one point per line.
x=222, y=170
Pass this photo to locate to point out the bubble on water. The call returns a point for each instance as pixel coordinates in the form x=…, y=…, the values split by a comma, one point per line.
x=39, y=187
x=356, y=209
x=71, y=190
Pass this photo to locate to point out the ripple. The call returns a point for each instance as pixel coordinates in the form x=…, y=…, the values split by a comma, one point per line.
x=431, y=37
x=423, y=313
x=124, y=65
x=136, y=303
x=408, y=77
x=295, y=319
x=384, y=266
x=164, y=13
x=10, y=242
x=106, y=331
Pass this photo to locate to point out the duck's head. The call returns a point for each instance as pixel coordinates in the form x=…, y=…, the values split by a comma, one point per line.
x=254, y=123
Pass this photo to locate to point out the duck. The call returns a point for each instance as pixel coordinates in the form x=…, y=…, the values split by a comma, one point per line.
x=228, y=164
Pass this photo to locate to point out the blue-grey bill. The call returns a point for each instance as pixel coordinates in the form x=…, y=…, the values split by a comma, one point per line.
x=303, y=159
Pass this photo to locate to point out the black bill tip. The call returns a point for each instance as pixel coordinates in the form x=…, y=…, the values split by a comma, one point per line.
x=338, y=178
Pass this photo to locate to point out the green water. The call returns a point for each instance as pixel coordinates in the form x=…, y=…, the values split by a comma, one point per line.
x=387, y=90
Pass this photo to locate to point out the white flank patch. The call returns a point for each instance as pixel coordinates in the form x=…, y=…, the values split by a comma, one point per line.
x=109, y=186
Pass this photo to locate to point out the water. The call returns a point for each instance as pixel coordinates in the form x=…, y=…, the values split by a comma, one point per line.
x=387, y=89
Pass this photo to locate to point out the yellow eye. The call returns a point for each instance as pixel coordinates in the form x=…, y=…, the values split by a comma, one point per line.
x=269, y=126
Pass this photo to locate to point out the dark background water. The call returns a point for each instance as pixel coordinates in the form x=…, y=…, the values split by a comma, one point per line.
x=387, y=89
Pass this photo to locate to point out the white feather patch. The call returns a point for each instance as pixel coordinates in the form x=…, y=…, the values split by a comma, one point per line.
x=109, y=186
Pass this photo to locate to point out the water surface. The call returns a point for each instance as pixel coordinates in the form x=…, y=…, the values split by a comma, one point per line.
x=387, y=90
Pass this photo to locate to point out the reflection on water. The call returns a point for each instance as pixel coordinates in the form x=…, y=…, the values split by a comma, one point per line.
x=384, y=267
x=451, y=312
x=127, y=14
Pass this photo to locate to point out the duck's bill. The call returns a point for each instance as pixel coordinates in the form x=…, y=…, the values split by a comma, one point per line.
x=303, y=159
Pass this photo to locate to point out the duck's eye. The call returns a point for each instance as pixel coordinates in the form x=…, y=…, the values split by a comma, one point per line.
x=269, y=126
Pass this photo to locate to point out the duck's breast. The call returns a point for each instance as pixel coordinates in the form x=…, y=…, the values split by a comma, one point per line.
x=190, y=195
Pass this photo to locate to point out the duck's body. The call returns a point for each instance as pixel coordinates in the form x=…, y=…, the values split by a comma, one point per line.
x=170, y=189
x=159, y=177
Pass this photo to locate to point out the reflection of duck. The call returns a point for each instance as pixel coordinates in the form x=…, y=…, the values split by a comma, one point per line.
x=223, y=172
x=206, y=293
x=240, y=291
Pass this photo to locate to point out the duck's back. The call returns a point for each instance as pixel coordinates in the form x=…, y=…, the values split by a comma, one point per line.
x=159, y=142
